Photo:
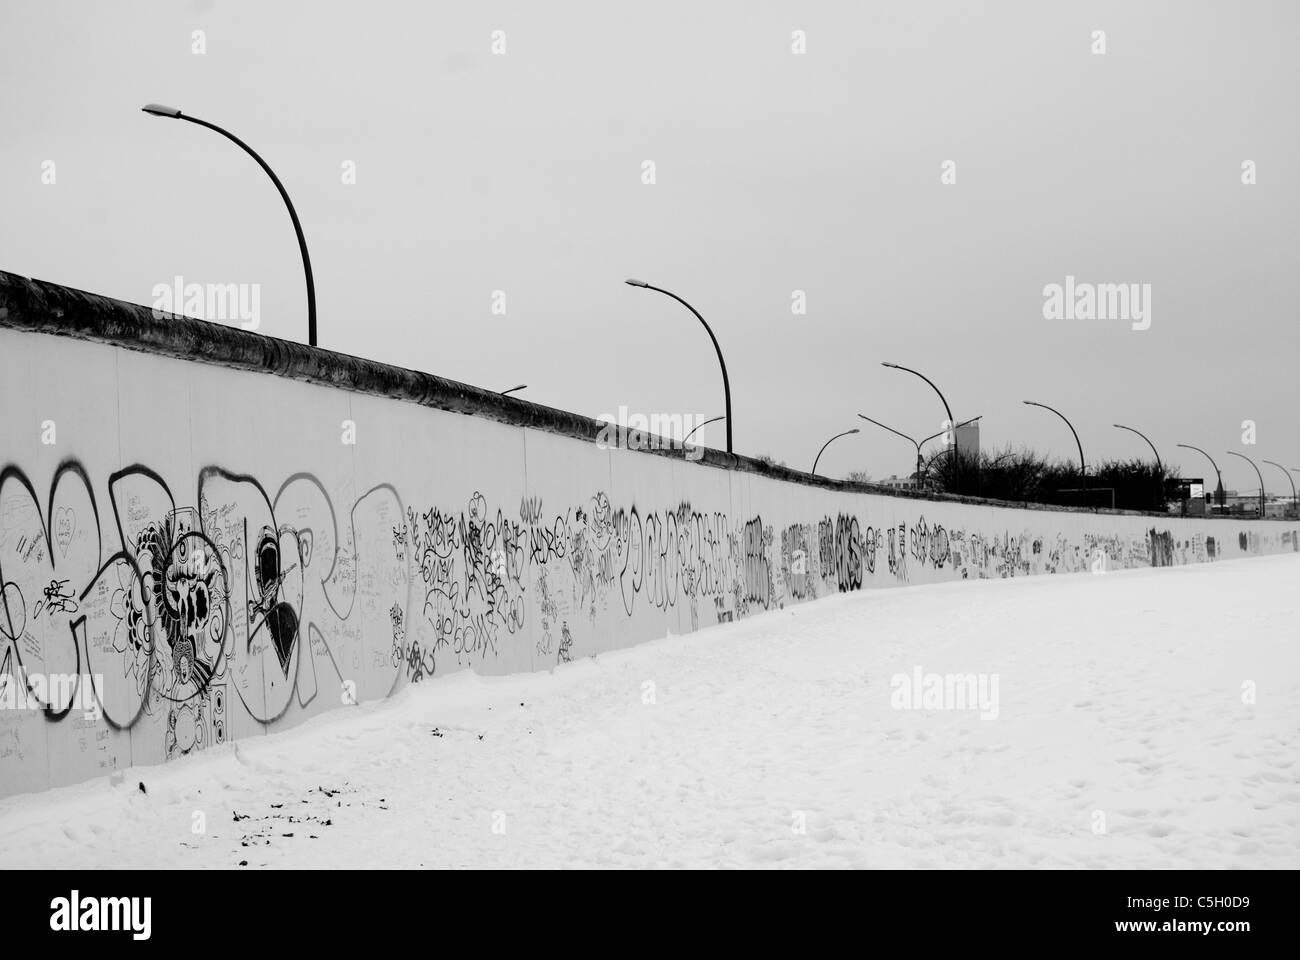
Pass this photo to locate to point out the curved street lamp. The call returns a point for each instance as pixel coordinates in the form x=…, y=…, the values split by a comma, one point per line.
x=1160, y=472
x=1218, y=494
x=522, y=386
x=947, y=409
x=894, y=366
x=898, y=433
x=698, y=425
x=828, y=443
x=919, y=443
x=1289, y=477
x=1082, y=468
x=158, y=110
x=1147, y=439
x=726, y=384
x=1258, y=474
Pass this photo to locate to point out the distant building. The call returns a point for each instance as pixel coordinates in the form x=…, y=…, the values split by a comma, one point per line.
x=1247, y=505
x=1279, y=508
x=967, y=439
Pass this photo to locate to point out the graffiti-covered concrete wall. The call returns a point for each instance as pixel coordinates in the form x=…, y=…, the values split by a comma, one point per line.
x=194, y=552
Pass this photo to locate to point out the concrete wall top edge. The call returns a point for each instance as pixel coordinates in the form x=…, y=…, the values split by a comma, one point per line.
x=41, y=307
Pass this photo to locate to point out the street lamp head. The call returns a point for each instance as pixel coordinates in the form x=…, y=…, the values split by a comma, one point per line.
x=636, y=283
x=855, y=430
x=892, y=366
x=158, y=110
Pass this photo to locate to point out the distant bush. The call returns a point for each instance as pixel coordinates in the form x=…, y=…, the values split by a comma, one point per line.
x=1020, y=474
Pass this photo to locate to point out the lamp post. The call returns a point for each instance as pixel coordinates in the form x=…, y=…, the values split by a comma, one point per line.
x=894, y=366
x=1218, y=494
x=1160, y=472
x=1258, y=474
x=1082, y=467
x=918, y=443
x=726, y=384
x=698, y=425
x=947, y=409
x=828, y=443
x=522, y=386
x=158, y=110
x=898, y=433
x=1289, y=477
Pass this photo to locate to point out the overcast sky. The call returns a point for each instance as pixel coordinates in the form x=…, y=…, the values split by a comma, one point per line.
x=774, y=172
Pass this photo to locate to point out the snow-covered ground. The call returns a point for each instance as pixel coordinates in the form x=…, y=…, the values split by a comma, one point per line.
x=1124, y=736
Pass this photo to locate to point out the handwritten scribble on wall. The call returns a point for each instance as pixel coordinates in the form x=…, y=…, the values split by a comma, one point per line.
x=246, y=602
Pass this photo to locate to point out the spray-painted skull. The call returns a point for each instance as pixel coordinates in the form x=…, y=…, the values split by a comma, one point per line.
x=192, y=609
x=188, y=597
